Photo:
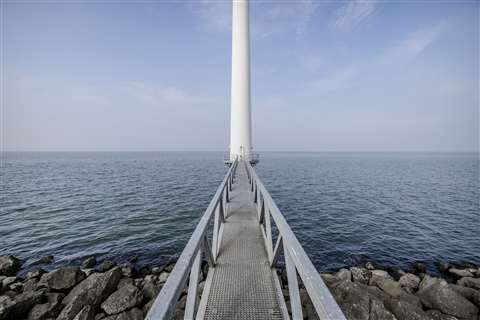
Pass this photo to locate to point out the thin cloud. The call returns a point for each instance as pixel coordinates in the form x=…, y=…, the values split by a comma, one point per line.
x=354, y=13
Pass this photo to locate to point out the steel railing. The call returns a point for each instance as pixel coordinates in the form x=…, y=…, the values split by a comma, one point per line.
x=190, y=261
x=296, y=260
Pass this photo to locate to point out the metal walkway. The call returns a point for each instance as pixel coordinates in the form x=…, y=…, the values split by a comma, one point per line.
x=242, y=281
x=242, y=285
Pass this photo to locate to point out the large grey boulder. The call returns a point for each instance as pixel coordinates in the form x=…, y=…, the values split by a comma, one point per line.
x=50, y=309
x=125, y=298
x=344, y=275
x=468, y=293
x=87, y=313
x=377, y=275
x=62, y=278
x=91, y=291
x=404, y=310
x=18, y=307
x=460, y=273
x=437, y=315
x=389, y=286
x=134, y=314
x=353, y=301
x=427, y=281
x=9, y=265
x=379, y=312
x=470, y=282
x=360, y=275
x=409, y=281
x=439, y=296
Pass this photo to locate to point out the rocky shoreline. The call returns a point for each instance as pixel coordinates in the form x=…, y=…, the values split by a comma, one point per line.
x=95, y=291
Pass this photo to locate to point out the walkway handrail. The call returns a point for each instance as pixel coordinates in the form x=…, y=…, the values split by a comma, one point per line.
x=189, y=262
x=296, y=260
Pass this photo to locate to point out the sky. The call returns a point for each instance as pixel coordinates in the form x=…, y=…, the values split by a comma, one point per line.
x=325, y=76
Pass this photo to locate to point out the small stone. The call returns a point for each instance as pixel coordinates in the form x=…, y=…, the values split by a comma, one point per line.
x=17, y=286
x=90, y=262
x=169, y=267
x=127, y=271
x=360, y=275
x=459, y=273
x=443, y=266
x=151, y=290
x=156, y=270
x=441, y=297
x=410, y=281
x=470, y=282
x=123, y=299
x=44, y=260
x=106, y=265
x=9, y=265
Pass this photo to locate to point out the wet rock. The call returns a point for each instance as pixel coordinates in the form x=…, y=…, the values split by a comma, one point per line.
x=43, y=260
x=169, y=267
x=90, y=262
x=353, y=301
x=156, y=270
x=437, y=315
x=419, y=267
x=91, y=291
x=409, y=281
x=344, y=275
x=369, y=266
x=9, y=265
x=106, y=265
x=403, y=310
x=123, y=299
x=35, y=274
x=439, y=296
x=427, y=281
x=377, y=275
x=459, y=273
x=443, y=266
x=8, y=281
x=151, y=290
x=18, y=307
x=379, y=312
x=62, y=279
x=470, y=282
x=87, y=313
x=329, y=279
x=50, y=309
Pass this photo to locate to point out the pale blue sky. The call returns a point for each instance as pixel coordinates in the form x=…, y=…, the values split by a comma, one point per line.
x=346, y=76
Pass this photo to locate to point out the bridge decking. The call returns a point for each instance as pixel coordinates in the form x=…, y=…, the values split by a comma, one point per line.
x=242, y=285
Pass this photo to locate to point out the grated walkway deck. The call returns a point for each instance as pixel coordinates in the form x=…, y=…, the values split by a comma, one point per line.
x=242, y=285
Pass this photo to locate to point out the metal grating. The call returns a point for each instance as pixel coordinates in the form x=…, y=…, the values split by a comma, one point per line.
x=242, y=285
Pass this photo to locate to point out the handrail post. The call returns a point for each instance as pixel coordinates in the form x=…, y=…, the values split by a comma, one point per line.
x=192, y=294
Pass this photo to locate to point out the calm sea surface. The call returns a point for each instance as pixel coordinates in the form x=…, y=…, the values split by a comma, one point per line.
x=345, y=208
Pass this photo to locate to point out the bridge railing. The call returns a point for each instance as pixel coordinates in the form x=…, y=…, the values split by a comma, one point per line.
x=296, y=260
x=189, y=263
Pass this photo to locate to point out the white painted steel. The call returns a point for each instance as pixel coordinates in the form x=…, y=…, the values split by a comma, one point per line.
x=240, y=113
x=323, y=301
x=164, y=305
